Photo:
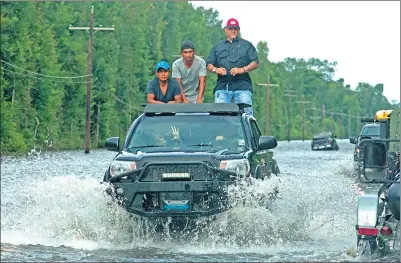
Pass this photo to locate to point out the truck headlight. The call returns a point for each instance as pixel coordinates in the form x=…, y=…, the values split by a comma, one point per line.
x=238, y=166
x=119, y=167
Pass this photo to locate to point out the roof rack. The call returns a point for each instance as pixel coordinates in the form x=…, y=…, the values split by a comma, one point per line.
x=367, y=119
x=228, y=108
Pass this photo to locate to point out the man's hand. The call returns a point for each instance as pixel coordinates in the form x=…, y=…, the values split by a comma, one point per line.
x=185, y=100
x=221, y=71
x=199, y=100
x=171, y=102
x=162, y=141
x=176, y=133
x=235, y=71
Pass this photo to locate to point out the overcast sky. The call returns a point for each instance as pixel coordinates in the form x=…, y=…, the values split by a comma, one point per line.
x=362, y=36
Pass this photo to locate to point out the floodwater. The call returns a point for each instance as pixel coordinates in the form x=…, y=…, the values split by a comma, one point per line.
x=53, y=208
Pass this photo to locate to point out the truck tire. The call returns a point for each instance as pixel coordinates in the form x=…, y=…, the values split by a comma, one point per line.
x=366, y=247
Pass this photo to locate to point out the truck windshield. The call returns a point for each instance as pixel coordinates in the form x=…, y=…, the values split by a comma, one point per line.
x=371, y=130
x=196, y=133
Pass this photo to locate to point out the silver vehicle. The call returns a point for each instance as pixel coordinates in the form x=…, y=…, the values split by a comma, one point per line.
x=378, y=219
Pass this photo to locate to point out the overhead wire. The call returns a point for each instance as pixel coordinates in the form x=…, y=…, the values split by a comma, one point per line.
x=42, y=78
x=115, y=96
x=96, y=80
x=44, y=75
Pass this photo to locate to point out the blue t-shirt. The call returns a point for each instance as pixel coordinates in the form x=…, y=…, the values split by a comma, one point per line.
x=173, y=89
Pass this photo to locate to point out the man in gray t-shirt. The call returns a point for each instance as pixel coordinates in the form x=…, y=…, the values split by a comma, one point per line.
x=190, y=72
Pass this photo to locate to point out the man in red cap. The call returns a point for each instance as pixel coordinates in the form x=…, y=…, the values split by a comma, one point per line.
x=232, y=59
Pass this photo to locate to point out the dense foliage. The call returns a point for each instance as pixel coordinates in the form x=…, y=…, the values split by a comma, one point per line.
x=43, y=68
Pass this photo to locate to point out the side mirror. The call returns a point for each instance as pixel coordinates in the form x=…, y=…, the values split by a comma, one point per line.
x=352, y=140
x=113, y=144
x=375, y=161
x=267, y=142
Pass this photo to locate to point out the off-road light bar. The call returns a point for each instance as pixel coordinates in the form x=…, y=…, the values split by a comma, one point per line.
x=176, y=176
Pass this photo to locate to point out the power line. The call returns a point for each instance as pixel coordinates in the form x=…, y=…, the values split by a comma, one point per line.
x=81, y=82
x=35, y=77
x=48, y=76
x=115, y=96
x=338, y=113
x=280, y=125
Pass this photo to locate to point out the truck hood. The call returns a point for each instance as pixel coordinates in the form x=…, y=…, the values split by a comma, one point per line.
x=211, y=157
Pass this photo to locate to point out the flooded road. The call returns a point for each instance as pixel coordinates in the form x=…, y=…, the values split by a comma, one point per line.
x=53, y=208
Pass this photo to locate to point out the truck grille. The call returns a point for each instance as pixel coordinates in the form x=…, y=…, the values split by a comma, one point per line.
x=176, y=172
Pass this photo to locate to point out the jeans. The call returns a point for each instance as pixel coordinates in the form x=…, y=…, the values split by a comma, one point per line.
x=239, y=96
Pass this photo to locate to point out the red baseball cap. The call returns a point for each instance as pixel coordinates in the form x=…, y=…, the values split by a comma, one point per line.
x=232, y=22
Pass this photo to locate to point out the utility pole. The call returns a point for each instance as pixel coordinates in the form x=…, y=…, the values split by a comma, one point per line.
x=323, y=116
x=303, y=102
x=314, y=115
x=349, y=125
x=289, y=111
x=349, y=114
x=89, y=79
x=268, y=85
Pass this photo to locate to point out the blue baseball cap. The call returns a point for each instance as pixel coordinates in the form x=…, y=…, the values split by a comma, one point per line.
x=162, y=64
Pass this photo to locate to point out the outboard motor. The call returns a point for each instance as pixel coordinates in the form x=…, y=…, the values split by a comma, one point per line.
x=393, y=196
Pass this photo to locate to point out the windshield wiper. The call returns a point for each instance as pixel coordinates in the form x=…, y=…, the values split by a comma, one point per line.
x=202, y=144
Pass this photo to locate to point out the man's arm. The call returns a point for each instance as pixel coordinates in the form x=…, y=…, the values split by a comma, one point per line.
x=185, y=100
x=150, y=94
x=211, y=60
x=177, y=93
x=252, y=54
x=202, y=85
x=220, y=71
x=177, y=99
x=210, y=68
x=202, y=81
x=250, y=67
x=151, y=99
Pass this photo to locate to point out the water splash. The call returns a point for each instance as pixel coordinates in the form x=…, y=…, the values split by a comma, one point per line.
x=72, y=211
x=315, y=210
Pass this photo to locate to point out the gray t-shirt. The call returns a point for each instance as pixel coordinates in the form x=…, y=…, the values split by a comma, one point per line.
x=173, y=89
x=190, y=77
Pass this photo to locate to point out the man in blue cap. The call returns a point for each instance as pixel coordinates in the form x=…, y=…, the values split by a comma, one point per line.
x=163, y=89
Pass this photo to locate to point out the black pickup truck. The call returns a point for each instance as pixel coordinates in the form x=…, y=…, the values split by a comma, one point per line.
x=324, y=141
x=369, y=131
x=178, y=159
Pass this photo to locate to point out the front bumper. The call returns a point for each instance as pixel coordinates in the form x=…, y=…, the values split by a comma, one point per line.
x=145, y=193
x=322, y=146
x=154, y=199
